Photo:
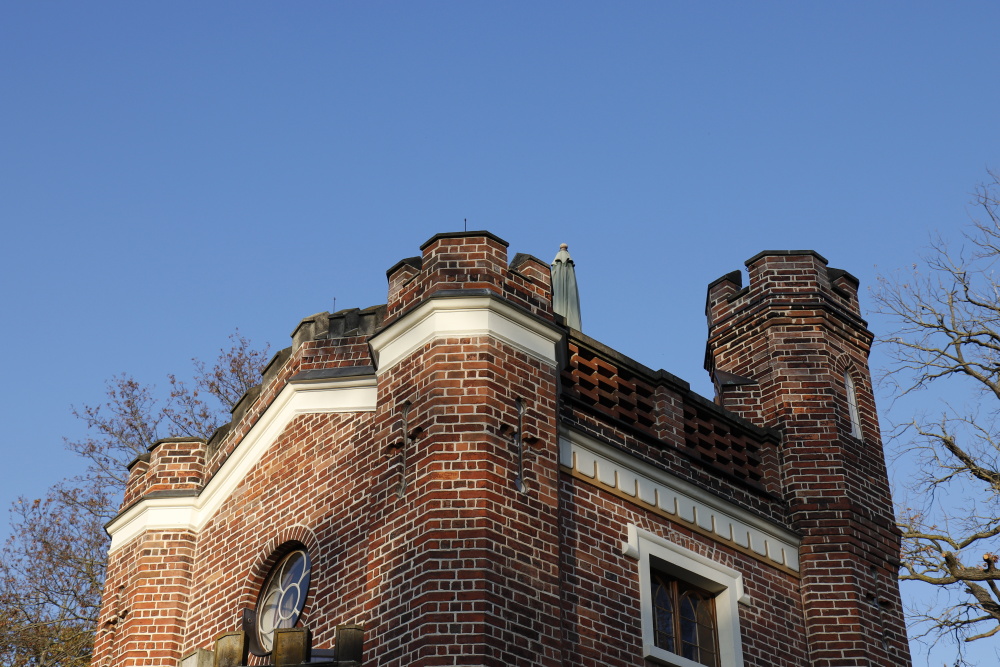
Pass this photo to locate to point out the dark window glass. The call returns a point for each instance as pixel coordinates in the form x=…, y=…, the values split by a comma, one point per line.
x=684, y=619
x=663, y=612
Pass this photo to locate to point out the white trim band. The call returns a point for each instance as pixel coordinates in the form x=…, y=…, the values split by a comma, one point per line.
x=193, y=512
x=653, y=487
x=456, y=317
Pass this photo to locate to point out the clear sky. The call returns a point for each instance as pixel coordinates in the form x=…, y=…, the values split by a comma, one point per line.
x=170, y=171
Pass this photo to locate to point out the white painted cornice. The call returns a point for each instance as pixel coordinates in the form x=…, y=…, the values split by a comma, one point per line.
x=650, y=486
x=461, y=316
x=356, y=394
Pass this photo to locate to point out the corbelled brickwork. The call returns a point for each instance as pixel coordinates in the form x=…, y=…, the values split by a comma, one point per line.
x=465, y=473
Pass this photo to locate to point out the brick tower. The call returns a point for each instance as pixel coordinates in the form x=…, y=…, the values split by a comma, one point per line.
x=410, y=449
x=465, y=520
x=787, y=352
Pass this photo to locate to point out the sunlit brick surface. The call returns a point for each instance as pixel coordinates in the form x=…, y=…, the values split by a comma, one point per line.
x=417, y=530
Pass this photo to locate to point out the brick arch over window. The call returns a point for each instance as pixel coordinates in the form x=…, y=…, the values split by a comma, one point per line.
x=270, y=552
x=851, y=379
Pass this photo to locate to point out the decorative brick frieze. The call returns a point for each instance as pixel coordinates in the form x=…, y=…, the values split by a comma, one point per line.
x=682, y=502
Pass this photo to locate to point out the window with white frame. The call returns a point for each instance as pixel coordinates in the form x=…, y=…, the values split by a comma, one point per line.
x=852, y=405
x=283, y=596
x=689, y=604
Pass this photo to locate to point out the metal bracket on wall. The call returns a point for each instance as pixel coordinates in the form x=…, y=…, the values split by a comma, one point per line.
x=401, y=489
x=403, y=446
x=519, y=446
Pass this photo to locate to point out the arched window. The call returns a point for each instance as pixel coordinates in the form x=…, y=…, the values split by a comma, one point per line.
x=283, y=596
x=852, y=405
x=663, y=612
x=684, y=619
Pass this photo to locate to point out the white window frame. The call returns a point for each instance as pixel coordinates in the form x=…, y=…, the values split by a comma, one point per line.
x=656, y=553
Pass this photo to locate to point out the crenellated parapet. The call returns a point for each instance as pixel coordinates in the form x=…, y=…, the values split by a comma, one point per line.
x=176, y=464
x=469, y=261
x=783, y=282
x=790, y=292
x=324, y=345
x=171, y=466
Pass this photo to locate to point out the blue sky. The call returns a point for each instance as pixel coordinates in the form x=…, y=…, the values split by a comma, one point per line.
x=171, y=171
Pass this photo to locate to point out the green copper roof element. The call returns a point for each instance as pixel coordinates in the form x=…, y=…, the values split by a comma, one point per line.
x=565, y=295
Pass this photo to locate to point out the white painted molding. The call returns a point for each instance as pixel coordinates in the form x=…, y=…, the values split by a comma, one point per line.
x=640, y=541
x=357, y=394
x=456, y=317
x=654, y=552
x=656, y=488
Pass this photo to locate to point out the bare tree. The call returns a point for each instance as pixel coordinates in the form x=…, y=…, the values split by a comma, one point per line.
x=947, y=339
x=52, y=567
x=52, y=570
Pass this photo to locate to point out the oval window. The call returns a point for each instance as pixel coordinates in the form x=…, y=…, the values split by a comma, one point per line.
x=283, y=596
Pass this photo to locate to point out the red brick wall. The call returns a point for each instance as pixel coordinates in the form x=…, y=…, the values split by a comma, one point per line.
x=461, y=568
x=145, y=601
x=601, y=586
x=473, y=562
x=794, y=330
x=311, y=487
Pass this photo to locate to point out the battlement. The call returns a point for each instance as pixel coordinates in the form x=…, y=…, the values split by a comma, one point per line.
x=474, y=260
x=171, y=466
x=786, y=277
x=346, y=323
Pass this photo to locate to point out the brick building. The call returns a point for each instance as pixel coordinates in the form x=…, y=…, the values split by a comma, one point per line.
x=459, y=478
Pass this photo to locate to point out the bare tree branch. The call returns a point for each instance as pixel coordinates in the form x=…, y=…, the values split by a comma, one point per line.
x=52, y=567
x=947, y=337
